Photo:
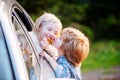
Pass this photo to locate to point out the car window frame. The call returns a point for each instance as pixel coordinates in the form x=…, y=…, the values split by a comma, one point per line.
x=26, y=33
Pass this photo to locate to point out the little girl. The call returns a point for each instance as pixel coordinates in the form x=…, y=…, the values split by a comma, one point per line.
x=47, y=27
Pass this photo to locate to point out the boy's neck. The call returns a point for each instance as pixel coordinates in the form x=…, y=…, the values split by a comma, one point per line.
x=60, y=52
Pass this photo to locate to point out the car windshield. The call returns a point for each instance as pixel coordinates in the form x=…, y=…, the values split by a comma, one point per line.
x=5, y=67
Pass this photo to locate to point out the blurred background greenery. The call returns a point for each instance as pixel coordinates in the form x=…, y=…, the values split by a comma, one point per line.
x=98, y=19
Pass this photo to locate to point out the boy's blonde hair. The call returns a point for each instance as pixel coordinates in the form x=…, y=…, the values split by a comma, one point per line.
x=45, y=19
x=75, y=45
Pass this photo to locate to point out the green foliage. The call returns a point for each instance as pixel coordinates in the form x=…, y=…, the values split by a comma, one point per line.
x=102, y=17
x=85, y=29
x=110, y=20
x=69, y=13
x=103, y=54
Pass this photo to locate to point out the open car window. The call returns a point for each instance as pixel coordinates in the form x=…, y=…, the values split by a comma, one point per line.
x=25, y=20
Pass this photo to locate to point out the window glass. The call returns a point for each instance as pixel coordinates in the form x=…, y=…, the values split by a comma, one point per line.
x=22, y=41
x=5, y=67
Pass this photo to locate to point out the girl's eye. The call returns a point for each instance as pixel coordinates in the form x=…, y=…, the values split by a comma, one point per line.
x=50, y=29
x=55, y=32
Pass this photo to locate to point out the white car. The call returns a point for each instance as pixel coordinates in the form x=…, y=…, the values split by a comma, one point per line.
x=18, y=54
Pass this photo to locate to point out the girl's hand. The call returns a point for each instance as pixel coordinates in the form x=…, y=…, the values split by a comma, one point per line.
x=43, y=54
x=52, y=51
x=44, y=43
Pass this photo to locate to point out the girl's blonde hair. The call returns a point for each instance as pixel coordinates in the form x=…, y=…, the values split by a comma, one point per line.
x=45, y=19
x=75, y=45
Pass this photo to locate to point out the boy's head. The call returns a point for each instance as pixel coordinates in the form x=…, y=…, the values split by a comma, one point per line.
x=48, y=25
x=75, y=45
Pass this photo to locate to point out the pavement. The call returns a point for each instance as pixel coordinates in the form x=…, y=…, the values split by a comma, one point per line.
x=102, y=74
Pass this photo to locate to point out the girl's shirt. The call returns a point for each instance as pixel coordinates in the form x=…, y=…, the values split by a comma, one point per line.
x=36, y=69
x=67, y=70
x=44, y=65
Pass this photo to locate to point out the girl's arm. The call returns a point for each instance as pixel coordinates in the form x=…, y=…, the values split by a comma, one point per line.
x=51, y=61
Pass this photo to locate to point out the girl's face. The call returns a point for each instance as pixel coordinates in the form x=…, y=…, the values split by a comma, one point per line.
x=49, y=30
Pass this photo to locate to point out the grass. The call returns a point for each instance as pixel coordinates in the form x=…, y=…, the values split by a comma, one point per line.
x=103, y=54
